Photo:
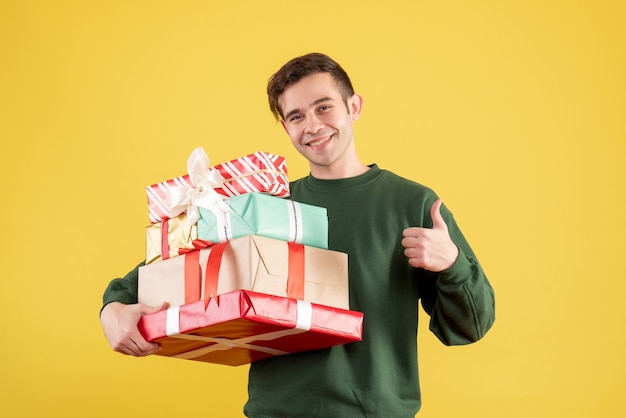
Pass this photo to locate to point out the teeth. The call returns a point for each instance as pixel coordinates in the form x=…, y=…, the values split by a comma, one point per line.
x=318, y=142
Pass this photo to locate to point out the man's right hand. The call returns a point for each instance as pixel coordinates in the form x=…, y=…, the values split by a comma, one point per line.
x=120, y=321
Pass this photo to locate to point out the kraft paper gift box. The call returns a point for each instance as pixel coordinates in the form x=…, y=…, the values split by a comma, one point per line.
x=256, y=263
x=258, y=172
x=242, y=327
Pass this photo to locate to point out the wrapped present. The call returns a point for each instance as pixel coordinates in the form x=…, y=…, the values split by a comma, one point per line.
x=169, y=238
x=205, y=186
x=250, y=213
x=241, y=327
x=252, y=262
x=268, y=216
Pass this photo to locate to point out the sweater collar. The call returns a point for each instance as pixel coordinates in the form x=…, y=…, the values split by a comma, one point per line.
x=336, y=185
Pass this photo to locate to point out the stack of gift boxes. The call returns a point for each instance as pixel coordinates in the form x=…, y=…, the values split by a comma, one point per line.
x=246, y=271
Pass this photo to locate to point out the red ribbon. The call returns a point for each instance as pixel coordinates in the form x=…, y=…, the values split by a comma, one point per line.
x=198, y=244
x=295, y=273
x=212, y=272
x=193, y=276
x=165, y=244
x=295, y=278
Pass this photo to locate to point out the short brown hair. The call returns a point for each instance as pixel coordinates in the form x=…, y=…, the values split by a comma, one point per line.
x=300, y=67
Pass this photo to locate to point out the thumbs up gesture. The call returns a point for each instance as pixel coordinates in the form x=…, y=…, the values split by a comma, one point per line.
x=430, y=249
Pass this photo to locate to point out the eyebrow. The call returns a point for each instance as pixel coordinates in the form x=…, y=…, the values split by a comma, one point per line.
x=315, y=103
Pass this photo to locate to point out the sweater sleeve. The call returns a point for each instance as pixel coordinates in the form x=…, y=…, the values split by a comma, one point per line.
x=123, y=290
x=459, y=300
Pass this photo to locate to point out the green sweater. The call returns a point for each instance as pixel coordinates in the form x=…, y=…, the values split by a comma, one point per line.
x=377, y=377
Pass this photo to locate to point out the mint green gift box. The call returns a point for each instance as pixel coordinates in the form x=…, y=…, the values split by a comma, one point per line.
x=265, y=215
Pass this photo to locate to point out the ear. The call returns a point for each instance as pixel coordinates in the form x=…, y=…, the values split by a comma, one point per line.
x=355, y=104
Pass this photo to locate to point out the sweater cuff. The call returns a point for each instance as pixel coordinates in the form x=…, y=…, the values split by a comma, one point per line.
x=122, y=290
x=459, y=272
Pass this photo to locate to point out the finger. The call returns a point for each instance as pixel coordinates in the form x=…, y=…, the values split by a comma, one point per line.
x=145, y=309
x=435, y=214
x=128, y=348
x=139, y=347
x=132, y=349
x=415, y=241
x=412, y=231
x=148, y=348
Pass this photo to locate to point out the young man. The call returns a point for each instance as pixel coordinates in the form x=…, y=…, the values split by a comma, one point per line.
x=403, y=245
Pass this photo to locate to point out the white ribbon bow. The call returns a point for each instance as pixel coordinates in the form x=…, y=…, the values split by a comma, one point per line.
x=202, y=194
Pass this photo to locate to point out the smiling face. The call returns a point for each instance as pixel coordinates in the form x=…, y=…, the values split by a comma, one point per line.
x=320, y=124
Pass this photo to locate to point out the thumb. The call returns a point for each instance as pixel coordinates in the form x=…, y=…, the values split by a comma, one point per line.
x=435, y=214
x=153, y=309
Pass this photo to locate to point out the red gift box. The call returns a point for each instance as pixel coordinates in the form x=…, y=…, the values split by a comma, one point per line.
x=259, y=172
x=242, y=327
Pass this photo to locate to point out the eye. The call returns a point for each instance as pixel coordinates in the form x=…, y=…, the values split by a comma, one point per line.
x=324, y=108
x=295, y=118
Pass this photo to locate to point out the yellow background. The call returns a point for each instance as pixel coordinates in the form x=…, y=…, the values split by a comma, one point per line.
x=512, y=110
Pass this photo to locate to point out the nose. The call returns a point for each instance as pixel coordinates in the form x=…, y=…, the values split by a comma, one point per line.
x=313, y=125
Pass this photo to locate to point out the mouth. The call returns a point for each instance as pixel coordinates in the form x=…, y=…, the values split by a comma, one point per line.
x=319, y=143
